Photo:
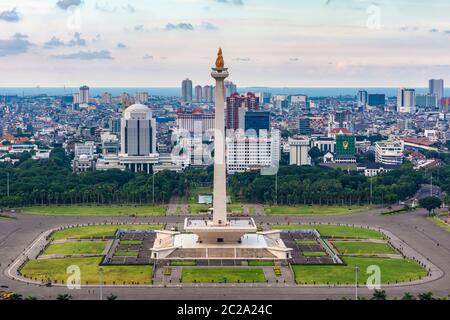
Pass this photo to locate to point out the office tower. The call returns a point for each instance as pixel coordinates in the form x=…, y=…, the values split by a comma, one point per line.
x=141, y=97
x=406, y=100
x=230, y=89
x=208, y=93
x=257, y=121
x=304, y=126
x=106, y=98
x=186, y=90
x=237, y=105
x=376, y=100
x=84, y=95
x=299, y=99
x=84, y=157
x=436, y=87
x=195, y=122
x=299, y=151
x=251, y=102
x=76, y=98
x=363, y=99
x=126, y=100
x=198, y=94
x=427, y=101
x=245, y=153
x=138, y=139
x=389, y=152
x=114, y=125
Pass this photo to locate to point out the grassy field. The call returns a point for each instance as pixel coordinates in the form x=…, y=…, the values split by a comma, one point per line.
x=198, y=208
x=56, y=269
x=127, y=242
x=230, y=275
x=439, y=223
x=315, y=254
x=330, y=231
x=313, y=210
x=363, y=248
x=391, y=270
x=97, y=210
x=83, y=247
x=97, y=231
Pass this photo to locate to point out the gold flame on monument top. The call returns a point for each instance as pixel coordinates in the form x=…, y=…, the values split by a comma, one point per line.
x=220, y=64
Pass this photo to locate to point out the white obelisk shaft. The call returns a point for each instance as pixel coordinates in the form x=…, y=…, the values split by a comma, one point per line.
x=220, y=178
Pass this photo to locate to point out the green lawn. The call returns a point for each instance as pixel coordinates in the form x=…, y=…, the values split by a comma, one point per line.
x=391, y=270
x=183, y=263
x=98, y=231
x=194, y=192
x=261, y=263
x=230, y=275
x=315, y=254
x=235, y=208
x=97, y=210
x=56, y=269
x=439, y=223
x=313, y=210
x=83, y=247
x=198, y=208
x=329, y=231
x=363, y=248
x=126, y=254
x=127, y=242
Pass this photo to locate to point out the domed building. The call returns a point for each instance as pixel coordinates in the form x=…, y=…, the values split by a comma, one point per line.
x=138, y=139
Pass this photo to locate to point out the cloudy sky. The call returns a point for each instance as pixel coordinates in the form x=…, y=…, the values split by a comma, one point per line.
x=282, y=43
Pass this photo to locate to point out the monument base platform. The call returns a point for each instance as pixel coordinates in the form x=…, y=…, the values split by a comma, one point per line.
x=171, y=245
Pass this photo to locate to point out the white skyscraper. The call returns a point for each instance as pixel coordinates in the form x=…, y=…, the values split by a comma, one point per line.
x=406, y=100
x=138, y=139
x=437, y=88
x=186, y=90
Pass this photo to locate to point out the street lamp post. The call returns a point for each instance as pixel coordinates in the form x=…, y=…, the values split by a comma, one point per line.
x=153, y=186
x=101, y=284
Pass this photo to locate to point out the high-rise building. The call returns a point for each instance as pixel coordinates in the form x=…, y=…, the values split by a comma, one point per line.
x=389, y=152
x=363, y=99
x=406, y=100
x=208, y=93
x=76, y=98
x=84, y=95
x=106, y=98
x=230, y=89
x=237, y=106
x=198, y=94
x=246, y=153
x=299, y=148
x=186, y=90
x=257, y=121
x=114, y=125
x=376, y=100
x=126, y=99
x=195, y=122
x=304, y=126
x=138, y=139
x=436, y=87
x=141, y=97
x=427, y=101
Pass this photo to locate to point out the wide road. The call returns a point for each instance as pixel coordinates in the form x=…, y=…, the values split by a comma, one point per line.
x=426, y=238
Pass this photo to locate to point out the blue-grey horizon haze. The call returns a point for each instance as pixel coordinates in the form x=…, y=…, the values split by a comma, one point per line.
x=273, y=43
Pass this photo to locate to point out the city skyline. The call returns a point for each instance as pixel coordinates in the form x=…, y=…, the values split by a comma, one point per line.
x=274, y=44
